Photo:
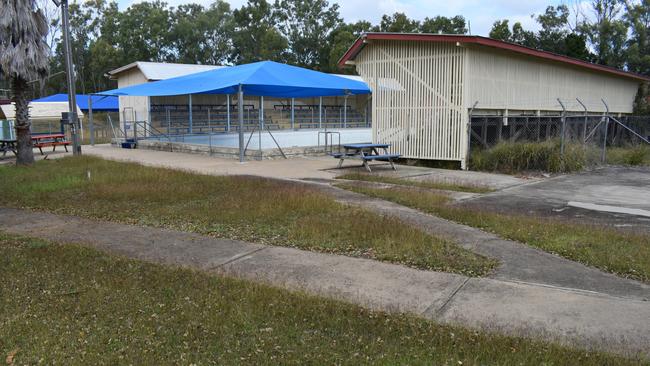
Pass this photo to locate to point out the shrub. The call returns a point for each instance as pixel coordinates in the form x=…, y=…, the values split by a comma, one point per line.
x=514, y=157
x=636, y=155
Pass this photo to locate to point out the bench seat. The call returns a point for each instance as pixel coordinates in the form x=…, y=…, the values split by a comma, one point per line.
x=381, y=157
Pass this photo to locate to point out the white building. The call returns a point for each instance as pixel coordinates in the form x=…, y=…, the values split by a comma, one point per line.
x=437, y=79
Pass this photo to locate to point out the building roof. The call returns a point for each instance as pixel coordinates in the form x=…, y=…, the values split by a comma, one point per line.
x=358, y=45
x=161, y=70
x=100, y=103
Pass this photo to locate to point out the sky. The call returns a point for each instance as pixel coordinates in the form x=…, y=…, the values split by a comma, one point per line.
x=480, y=13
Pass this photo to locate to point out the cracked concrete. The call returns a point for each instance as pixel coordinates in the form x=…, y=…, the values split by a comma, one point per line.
x=572, y=316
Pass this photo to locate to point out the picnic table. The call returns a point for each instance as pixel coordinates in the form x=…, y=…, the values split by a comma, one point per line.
x=8, y=145
x=52, y=139
x=366, y=153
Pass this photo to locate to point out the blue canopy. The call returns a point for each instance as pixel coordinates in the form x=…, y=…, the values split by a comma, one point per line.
x=265, y=78
x=100, y=103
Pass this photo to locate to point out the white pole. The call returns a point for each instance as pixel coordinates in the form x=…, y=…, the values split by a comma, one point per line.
x=292, y=114
x=261, y=121
x=190, y=109
x=227, y=112
x=320, y=112
x=240, y=109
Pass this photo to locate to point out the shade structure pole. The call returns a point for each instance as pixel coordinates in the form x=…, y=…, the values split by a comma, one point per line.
x=293, y=124
x=240, y=113
x=320, y=112
x=345, y=111
x=227, y=112
x=261, y=121
x=189, y=105
x=91, y=125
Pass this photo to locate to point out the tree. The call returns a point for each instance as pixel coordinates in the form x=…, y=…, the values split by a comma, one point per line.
x=256, y=37
x=607, y=34
x=637, y=17
x=307, y=25
x=23, y=57
x=398, y=22
x=501, y=31
x=200, y=35
x=444, y=25
x=341, y=39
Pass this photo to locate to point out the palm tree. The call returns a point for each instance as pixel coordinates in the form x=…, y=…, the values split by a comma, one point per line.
x=24, y=56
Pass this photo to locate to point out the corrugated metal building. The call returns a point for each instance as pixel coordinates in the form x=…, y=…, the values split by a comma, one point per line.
x=437, y=79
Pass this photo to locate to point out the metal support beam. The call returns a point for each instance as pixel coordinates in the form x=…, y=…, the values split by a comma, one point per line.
x=465, y=161
x=293, y=126
x=320, y=112
x=227, y=112
x=584, y=127
x=189, y=103
x=240, y=110
x=563, y=127
x=261, y=122
x=603, y=156
x=91, y=124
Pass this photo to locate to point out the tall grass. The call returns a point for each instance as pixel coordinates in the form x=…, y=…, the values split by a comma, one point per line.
x=245, y=208
x=515, y=157
x=70, y=305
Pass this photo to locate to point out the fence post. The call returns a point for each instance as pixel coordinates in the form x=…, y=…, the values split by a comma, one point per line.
x=563, y=128
x=469, y=137
x=603, y=157
x=584, y=127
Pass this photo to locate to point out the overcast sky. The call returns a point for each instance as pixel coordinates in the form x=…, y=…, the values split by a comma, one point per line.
x=480, y=13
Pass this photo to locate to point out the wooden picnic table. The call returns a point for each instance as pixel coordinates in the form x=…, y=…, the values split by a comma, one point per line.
x=39, y=141
x=366, y=153
x=51, y=139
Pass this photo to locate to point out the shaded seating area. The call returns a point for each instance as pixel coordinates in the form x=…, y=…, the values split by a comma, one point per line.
x=261, y=79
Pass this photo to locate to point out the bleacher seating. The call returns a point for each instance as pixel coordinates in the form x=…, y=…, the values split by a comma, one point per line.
x=174, y=119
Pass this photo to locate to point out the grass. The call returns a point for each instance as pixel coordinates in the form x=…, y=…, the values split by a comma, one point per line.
x=519, y=157
x=632, y=156
x=447, y=186
x=66, y=304
x=245, y=208
x=625, y=254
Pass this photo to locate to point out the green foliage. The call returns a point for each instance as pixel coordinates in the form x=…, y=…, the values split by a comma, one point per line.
x=72, y=305
x=517, y=157
x=251, y=209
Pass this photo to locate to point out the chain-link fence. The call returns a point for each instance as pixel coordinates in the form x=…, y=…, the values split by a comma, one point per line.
x=599, y=131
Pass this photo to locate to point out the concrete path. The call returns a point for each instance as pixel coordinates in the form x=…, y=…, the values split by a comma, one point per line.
x=613, y=196
x=572, y=316
x=519, y=262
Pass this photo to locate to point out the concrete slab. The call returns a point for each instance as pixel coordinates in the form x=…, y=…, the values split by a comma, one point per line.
x=150, y=244
x=626, y=188
x=370, y=283
x=593, y=321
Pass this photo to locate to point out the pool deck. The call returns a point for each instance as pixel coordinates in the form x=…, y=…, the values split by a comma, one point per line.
x=298, y=167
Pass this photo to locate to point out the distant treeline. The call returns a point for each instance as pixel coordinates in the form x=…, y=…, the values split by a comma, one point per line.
x=311, y=33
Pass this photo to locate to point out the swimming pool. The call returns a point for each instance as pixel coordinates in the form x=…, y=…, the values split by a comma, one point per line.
x=285, y=138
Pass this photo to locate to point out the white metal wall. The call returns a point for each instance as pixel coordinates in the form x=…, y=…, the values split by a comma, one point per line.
x=502, y=80
x=417, y=101
x=132, y=108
